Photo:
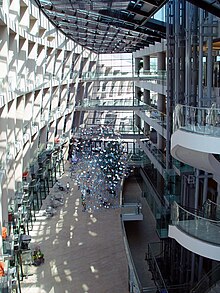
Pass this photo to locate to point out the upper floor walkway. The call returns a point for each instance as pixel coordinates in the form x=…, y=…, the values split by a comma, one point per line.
x=197, y=231
x=196, y=138
x=154, y=76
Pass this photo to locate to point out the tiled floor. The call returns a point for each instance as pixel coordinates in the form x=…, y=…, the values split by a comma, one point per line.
x=84, y=252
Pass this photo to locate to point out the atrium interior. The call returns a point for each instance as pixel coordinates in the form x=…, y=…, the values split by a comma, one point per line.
x=124, y=97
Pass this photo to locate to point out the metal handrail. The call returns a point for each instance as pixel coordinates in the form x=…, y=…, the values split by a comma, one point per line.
x=160, y=281
x=195, y=215
x=212, y=202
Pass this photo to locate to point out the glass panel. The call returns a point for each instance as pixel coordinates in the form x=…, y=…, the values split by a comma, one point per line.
x=198, y=120
x=199, y=227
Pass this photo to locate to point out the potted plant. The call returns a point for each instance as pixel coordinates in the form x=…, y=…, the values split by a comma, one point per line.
x=38, y=257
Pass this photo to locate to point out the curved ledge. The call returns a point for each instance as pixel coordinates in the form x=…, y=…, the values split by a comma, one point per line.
x=196, y=150
x=195, y=141
x=195, y=245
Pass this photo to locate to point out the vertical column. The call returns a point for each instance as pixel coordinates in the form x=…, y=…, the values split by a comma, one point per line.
x=161, y=105
x=137, y=65
x=218, y=197
x=161, y=61
x=201, y=40
x=209, y=59
x=148, y=102
x=146, y=63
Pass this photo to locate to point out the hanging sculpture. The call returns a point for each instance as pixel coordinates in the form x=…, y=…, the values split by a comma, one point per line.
x=99, y=164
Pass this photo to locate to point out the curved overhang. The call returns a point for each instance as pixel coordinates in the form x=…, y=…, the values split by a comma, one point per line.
x=197, y=151
x=194, y=245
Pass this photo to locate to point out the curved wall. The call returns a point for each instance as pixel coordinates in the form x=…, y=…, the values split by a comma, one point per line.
x=197, y=151
x=40, y=83
x=192, y=244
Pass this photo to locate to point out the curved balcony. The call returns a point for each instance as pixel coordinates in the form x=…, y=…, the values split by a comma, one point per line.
x=196, y=137
x=195, y=232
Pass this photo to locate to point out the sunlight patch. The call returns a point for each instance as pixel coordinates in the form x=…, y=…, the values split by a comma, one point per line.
x=93, y=219
x=85, y=287
x=67, y=272
x=93, y=270
x=77, y=202
x=57, y=279
x=54, y=271
x=48, y=231
x=56, y=241
x=69, y=278
x=92, y=233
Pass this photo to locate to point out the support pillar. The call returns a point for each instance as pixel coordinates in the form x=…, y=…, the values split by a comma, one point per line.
x=146, y=63
x=205, y=188
x=161, y=64
x=137, y=65
x=161, y=61
x=148, y=102
x=161, y=107
x=209, y=60
x=197, y=190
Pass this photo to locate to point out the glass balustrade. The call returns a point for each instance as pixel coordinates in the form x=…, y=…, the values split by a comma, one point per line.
x=113, y=103
x=24, y=84
x=138, y=159
x=146, y=74
x=212, y=210
x=131, y=209
x=158, y=154
x=199, y=120
x=199, y=227
x=155, y=114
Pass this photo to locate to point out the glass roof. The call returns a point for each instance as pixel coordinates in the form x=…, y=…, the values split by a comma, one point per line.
x=113, y=26
x=107, y=26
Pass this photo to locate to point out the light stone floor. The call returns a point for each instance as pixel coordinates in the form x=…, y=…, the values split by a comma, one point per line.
x=84, y=252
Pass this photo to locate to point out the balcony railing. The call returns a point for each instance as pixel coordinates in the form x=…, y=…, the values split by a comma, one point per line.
x=145, y=74
x=131, y=212
x=199, y=120
x=153, y=250
x=195, y=225
x=113, y=103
